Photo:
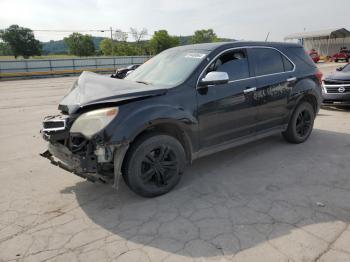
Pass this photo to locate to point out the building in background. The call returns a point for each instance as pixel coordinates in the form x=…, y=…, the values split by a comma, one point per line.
x=325, y=42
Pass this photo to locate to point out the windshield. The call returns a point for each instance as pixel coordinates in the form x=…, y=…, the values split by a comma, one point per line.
x=169, y=67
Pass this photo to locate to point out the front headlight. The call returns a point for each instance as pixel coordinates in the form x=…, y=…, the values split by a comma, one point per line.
x=94, y=121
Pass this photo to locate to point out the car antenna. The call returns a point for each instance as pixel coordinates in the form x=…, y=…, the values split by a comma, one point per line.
x=267, y=36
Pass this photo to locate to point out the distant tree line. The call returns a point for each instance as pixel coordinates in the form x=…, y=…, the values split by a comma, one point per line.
x=20, y=41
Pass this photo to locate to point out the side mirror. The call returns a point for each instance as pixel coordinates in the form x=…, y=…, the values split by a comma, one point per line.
x=214, y=78
x=339, y=69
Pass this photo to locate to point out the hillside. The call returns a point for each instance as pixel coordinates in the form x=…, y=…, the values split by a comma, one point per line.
x=59, y=47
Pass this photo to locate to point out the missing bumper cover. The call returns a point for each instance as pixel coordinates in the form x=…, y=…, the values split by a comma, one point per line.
x=85, y=167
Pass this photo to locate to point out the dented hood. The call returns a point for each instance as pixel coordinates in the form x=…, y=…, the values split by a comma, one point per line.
x=92, y=88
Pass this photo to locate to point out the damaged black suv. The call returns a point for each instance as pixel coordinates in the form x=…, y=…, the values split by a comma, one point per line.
x=182, y=104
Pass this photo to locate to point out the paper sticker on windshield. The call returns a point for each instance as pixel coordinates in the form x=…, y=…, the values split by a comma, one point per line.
x=195, y=55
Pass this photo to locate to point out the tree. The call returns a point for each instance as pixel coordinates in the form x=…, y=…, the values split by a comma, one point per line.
x=118, y=48
x=80, y=45
x=119, y=35
x=21, y=41
x=125, y=49
x=138, y=35
x=161, y=40
x=204, y=36
x=106, y=46
x=5, y=49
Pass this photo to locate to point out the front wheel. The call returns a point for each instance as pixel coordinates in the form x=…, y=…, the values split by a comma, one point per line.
x=154, y=165
x=301, y=124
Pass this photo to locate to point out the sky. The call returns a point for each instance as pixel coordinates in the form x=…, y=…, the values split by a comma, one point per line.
x=243, y=20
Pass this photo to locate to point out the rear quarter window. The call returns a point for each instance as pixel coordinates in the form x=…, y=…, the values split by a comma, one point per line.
x=299, y=53
x=288, y=66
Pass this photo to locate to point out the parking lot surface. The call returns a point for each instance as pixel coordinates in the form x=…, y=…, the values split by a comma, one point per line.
x=265, y=201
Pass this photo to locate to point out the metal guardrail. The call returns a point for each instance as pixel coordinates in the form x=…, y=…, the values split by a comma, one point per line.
x=44, y=67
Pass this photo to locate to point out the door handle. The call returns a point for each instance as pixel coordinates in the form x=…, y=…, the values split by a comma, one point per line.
x=291, y=79
x=249, y=90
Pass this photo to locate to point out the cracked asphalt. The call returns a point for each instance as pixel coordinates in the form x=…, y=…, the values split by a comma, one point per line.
x=265, y=201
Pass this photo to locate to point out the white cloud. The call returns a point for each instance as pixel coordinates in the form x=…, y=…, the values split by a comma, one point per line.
x=247, y=19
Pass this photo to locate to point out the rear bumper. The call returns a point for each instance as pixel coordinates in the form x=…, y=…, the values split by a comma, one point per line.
x=336, y=99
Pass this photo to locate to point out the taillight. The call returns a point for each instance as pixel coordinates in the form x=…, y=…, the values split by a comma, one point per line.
x=319, y=76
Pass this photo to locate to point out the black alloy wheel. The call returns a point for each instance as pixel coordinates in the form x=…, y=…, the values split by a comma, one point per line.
x=303, y=123
x=154, y=164
x=300, y=124
x=159, y=166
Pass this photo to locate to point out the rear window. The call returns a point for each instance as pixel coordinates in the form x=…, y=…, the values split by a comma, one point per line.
x=267, y=61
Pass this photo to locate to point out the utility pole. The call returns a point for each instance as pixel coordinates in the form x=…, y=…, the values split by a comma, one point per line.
x=112, y=39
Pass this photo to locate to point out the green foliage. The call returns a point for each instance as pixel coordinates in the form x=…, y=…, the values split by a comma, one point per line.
x=106, y=46
x=5, y=49
x=80, y=45
x=21, y=41
x=161, y=40
x=59, y=47
x=204, y=36
x=86, y=45
x=120, y=48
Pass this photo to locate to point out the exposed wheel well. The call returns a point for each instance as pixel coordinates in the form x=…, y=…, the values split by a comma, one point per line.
x=172, y=130
x=310, y=99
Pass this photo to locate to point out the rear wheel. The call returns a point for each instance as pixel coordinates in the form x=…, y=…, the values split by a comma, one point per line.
x=154, y=165
x=301, y=124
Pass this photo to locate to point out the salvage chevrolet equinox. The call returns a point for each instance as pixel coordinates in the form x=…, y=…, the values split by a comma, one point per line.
x=185, y=103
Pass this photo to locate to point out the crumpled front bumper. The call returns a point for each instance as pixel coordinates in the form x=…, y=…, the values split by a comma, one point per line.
x=85, y=167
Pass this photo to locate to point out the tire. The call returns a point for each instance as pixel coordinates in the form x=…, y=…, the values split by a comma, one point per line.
x=154, y=164
x=301, y=124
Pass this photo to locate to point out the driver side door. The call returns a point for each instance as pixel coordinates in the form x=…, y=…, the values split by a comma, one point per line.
x=226, y=112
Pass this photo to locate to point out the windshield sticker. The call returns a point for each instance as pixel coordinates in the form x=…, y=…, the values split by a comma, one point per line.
x=195, y=55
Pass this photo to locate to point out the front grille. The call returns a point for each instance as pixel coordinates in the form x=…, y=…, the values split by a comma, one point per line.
x=335, y=90
x=54, y=123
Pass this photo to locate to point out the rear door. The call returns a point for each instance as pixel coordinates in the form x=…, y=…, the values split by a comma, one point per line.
x=274, y=81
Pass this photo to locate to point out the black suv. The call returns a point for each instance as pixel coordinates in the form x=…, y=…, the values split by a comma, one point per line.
x=182, y=104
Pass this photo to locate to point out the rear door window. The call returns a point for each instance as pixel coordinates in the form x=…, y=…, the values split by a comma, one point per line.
x=268, y=61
